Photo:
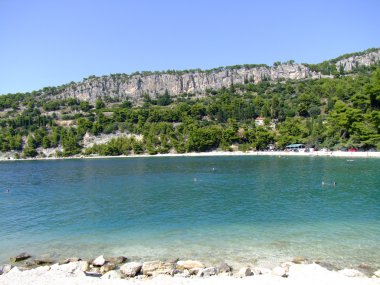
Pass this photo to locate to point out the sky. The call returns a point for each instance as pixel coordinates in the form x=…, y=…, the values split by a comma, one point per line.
x=50, y=43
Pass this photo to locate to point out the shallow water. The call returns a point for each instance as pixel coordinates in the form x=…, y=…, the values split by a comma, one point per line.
x=241, y=209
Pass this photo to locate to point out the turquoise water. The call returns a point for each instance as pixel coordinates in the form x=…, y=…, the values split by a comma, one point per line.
x=241, y=209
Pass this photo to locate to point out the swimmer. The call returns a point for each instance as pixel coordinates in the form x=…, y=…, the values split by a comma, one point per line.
x=323, y=183
x=334, y=184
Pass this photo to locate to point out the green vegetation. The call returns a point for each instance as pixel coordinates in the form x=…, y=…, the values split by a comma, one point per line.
x=335, y=113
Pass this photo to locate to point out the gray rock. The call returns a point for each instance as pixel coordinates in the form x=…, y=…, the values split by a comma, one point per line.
x=117, y=259
x=327, y=265
x=366, y=269
x=244, y=272
x=113, y=274
x=107, y=267
x=21, y=256
x=207, y=272
x=43, y=261
x=299, y=260
x=224, y=267
x=71, y=259
x=99, y=261
x=131, y=269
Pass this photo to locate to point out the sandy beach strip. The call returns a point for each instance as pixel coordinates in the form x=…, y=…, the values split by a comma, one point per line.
x=343, y=154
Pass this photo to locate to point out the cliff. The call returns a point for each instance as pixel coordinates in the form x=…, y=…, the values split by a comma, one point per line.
x=135, y=86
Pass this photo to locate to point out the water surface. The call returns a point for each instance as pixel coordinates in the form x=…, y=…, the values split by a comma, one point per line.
x=241, y=209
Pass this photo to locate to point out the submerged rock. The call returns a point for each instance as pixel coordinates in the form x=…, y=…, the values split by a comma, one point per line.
x=116, y=259
x=21, y=256
x=43, y=261
x=71, y=259
x=131, y=269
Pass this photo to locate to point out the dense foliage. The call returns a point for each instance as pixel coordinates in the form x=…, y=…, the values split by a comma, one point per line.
x=335, y=113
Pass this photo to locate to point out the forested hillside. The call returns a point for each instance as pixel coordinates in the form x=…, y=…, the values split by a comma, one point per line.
x=339, y=111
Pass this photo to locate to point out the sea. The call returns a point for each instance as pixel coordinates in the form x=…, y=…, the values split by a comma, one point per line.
x=244, y=210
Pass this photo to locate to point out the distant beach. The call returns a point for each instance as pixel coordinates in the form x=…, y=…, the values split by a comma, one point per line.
x=346, y=154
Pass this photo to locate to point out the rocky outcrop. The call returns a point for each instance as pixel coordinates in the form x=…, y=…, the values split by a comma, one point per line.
x=197, y=82
x=350, y=63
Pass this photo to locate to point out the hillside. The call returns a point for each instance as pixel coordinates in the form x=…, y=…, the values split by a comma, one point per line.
x=334, y=104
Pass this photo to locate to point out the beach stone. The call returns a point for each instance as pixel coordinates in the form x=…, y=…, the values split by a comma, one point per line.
x=73, y=267
x=21, y=256
x=43, y=261
x=189, y=264
x=299, y=260
x=14, y=271
x=153, y=268
x=327, y=265
x=113, y=274
x=224, y=267
x=207, y=272
x=99, y=261
x=116, y=259
x=351, y=273
x=131, y=269
x=377, y=274
x=5, y=268
x=244, y=272
x=366, y=269
x=279, y=271
x=71, y=259
x=107, y=267
x=185, y=273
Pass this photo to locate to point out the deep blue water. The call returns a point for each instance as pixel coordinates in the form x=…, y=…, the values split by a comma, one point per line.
x=242, y=209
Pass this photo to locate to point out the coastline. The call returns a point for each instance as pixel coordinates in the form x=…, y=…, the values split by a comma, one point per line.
x=119, y=270
x=341, y=154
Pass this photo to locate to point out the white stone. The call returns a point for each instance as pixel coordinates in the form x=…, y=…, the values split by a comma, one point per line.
x=113, y=274
x=351, y=273
x=207, y=272
x=244, y=271
x=99, y=261
x=131, y=269
x=377, y=274
x=279, y=271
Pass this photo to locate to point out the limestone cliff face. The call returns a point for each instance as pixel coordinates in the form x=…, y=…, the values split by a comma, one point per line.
x=197, y=82
x=134, y=87
x=352, y=62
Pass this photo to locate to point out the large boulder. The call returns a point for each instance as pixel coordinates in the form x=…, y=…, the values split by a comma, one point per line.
x=131, y=269
x=20, y=257
x=99, y=261
x=189, y=264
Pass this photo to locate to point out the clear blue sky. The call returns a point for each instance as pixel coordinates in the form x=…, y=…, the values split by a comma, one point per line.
x=52, y=42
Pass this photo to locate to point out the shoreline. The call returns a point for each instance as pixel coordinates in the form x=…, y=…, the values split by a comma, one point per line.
x=121, y=270
x=341, y=154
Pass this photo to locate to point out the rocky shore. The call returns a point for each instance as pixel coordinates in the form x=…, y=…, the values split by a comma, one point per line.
x=24, y=269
